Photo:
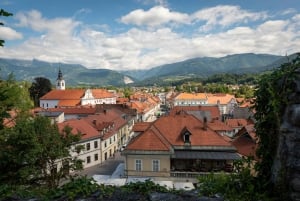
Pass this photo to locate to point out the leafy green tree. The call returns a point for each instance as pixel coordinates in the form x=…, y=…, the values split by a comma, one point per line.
x=5, y=14
x=127, y=92
x=245, y=91
x=13, y=96
x=35, y=152
x=39, y=88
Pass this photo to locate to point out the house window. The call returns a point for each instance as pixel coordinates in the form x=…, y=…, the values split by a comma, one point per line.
x=138, y=165
x=88, y=146
x=186, y=137
x=155, y=165
x=109, y=140
x=105, y=145
x=95, y=157
x=95, y=144
x=88, y=159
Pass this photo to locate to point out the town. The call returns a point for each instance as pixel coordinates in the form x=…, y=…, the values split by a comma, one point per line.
x=155, y=100
x=170, y=135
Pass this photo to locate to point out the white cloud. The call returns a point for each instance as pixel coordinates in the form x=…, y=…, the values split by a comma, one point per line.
x=7, y=33
x=224, y=16
x=71, y=41
x=156, y=16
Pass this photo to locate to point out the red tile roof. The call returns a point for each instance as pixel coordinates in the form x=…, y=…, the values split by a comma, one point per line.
x=219, y=98
x=190, y=96
x=68, y=94
x=80, y=126
x=219, y=126
x=246, y=141
x=106, y=118
x=75, y=94
x=236, y=122
x=74, y=110
x=68, y=103
x=168, y=130
x=245, y=146
x=102, y=93
x=149, y=141
x=214, y=110
x=141, y=126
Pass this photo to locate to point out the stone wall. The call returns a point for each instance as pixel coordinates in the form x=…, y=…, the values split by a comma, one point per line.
x=286, y=167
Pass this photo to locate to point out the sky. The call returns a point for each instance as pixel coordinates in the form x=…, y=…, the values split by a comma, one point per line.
x=142, y=34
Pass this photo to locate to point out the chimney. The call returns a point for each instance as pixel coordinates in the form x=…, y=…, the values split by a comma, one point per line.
x=205, y=123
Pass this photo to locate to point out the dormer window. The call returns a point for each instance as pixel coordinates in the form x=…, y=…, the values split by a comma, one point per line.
x=186, y=137
x=186, y=134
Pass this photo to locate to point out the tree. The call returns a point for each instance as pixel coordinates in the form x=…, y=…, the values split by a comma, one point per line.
x=13, y=97
x=39, y=88
x=35, y=152
x=5, y=14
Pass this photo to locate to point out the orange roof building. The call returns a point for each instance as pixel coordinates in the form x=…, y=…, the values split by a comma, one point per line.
x=76, y=97
x=189, y=99
x=225, y=102
x=177, y=143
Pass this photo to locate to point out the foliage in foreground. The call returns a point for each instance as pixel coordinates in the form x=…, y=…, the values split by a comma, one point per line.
x=272, y=97
x=241, y=185
x=81, y=187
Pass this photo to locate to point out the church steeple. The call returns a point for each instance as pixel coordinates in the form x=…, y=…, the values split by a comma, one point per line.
x=60, y=82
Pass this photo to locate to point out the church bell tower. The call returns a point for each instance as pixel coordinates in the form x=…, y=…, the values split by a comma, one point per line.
x=60, y=82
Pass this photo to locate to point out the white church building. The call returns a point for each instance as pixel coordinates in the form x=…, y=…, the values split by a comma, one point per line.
x=62, y=97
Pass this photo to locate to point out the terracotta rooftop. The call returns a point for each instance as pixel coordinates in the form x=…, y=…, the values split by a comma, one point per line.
x=219, y=98
x=68, y=94
x=168, y=130
x=149, y=141
x=246, y=141
x=141, y=126
x=191, y=96
x=75, y=94
x=214, y=110
x=74, y=110
x=102, y=93
x=111, y=116
x=68, y=103
x=80, y=126
x=219, y=126
x=236, y=122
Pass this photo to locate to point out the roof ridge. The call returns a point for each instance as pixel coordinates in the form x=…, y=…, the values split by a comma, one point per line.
x=163, y=139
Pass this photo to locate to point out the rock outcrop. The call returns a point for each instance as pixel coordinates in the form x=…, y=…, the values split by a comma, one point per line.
x=286, y=167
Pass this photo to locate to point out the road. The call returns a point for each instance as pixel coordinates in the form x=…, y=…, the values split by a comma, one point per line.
x=106, y=168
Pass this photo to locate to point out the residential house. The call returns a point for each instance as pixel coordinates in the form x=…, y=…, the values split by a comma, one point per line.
x=225, y=102
x=91, y=139
x=178, y=145
x=190, y=99
x=103, y=134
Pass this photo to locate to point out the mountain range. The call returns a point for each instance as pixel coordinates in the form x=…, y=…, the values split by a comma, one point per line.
x=79, y=75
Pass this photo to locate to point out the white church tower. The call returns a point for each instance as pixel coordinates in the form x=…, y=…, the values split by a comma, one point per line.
x=60, y=82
